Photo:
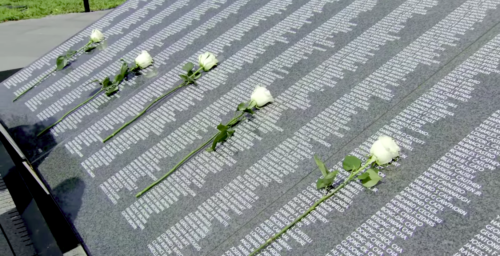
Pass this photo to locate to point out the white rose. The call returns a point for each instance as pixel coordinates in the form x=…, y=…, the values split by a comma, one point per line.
x=207, y=61
x=384, y=150
x=261, y=96
x=96, y=36
x=144, y=60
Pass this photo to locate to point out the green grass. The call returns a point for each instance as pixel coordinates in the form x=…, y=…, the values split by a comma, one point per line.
x=31, y=9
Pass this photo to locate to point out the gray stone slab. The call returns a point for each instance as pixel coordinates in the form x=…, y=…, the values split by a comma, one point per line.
x=4, y=245
x=14, y=237
x=342, y=73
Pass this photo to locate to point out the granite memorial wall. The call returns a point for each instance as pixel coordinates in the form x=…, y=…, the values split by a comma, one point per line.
x=342, y=72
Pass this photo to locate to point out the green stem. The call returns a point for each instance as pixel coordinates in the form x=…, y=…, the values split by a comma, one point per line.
x=142, y=112
x=235, y=119
x=69, y=112
x=349, y=179
x=148, y=107
x=82, y=48
x=230, y=123
x=45, y=76
x=33, y=86
x=196, y=72
x=176, y=166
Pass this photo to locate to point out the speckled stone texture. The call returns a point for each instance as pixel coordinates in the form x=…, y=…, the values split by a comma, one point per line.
x=342, y=72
